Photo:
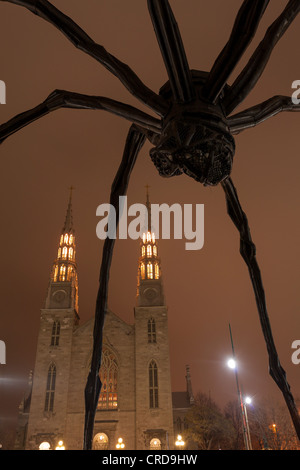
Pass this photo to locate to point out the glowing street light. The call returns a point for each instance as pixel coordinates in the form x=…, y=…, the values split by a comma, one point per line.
x=231, y=363
x=179, y=442
x=120, y=444
x=60, y=446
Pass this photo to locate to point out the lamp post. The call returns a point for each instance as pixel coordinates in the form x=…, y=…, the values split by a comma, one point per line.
x=248, y=401
x=60, y=446
x=232, y=364
x=179, y=443
x=120, y=444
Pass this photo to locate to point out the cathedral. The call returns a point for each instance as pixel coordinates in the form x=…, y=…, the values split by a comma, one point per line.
x=136, y=409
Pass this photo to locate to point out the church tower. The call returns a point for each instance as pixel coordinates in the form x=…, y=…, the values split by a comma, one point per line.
x=58, y=319
x=154, y=419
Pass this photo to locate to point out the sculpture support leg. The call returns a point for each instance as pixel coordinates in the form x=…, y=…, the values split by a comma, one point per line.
x=250, y=75
x=66, y=99
x=82, y=41
x=244, y=29
x=248, y=252
x=261, y=112
x=172, y=49
x=134, y=143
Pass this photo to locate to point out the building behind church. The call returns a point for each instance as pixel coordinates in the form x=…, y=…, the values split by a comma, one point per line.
x=136, y=405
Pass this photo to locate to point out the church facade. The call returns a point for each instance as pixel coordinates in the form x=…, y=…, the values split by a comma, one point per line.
x=136, y=407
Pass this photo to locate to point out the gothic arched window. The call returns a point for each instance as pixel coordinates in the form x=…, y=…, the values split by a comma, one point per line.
x=62, y=273
x=151, y=331
x=55, y=333
x=153, y=385
x=50, y=388
x=108, y=399
x=155, y=444
x=100, y=441
x=156, y=267
x=142, y=271
x=149, y=271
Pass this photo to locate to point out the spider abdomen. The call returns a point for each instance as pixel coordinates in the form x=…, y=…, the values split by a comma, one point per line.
x=201, y=149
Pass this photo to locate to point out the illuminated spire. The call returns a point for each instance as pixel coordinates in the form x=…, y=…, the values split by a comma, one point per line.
x=149, y=263
x=149, y=280
x=68, y=226
x=64, y=268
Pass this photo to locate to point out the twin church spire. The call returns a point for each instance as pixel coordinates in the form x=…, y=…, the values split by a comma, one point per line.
x=64, y=268
x=64, y=271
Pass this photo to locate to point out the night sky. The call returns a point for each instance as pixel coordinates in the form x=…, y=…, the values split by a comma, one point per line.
x=205, y=290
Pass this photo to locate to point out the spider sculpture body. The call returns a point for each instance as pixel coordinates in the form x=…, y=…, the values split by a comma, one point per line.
x=192, y=134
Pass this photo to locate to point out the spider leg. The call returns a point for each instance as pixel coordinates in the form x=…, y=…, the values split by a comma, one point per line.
x=82, y=41
x=134, y=143
x=250, y=75
x=261, y=112
x=243, y=31
x=248, y=252
x=172, y=50
x=66, y=99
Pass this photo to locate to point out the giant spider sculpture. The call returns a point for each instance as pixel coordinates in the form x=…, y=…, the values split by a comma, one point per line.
x=193, y=134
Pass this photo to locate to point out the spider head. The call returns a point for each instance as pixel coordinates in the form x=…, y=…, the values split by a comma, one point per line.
x=197, y=148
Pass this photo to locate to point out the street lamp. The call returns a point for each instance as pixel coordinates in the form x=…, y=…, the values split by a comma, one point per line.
x=232, y=364
x=248, y=401
x=179, y=442
x=60, y=446
x=120, y=444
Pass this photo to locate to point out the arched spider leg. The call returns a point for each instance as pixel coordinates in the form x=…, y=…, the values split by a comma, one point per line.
x=244, y=29
x=66, y=99
x=82, y=41
x=261, y=112
x=134, y=143
x=248, y=252
x=172, y=50
x=250, y=75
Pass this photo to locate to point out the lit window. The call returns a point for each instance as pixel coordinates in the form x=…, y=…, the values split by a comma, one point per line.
x=154, y=250
x=66, y=238
x=55, y=333
x=153, y=385
x=155, y=444
x=64, y=252
x=148, y=237
x=142, y=271
x=149, y=250
x=55, y=273
x=100, y=441
x=44, y=446
x=50, y=388
x=150, y=271
x=70, y=253
x=143, y=250
x=156, y=271
x=144, y=237
x=59, y=253
x=61, y=239
x=70, y=239
x=151, y=331
x=69, y=274
x=108, y=398
x=62, y=273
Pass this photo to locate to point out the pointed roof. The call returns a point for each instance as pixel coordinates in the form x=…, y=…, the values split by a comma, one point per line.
x=68, y=225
